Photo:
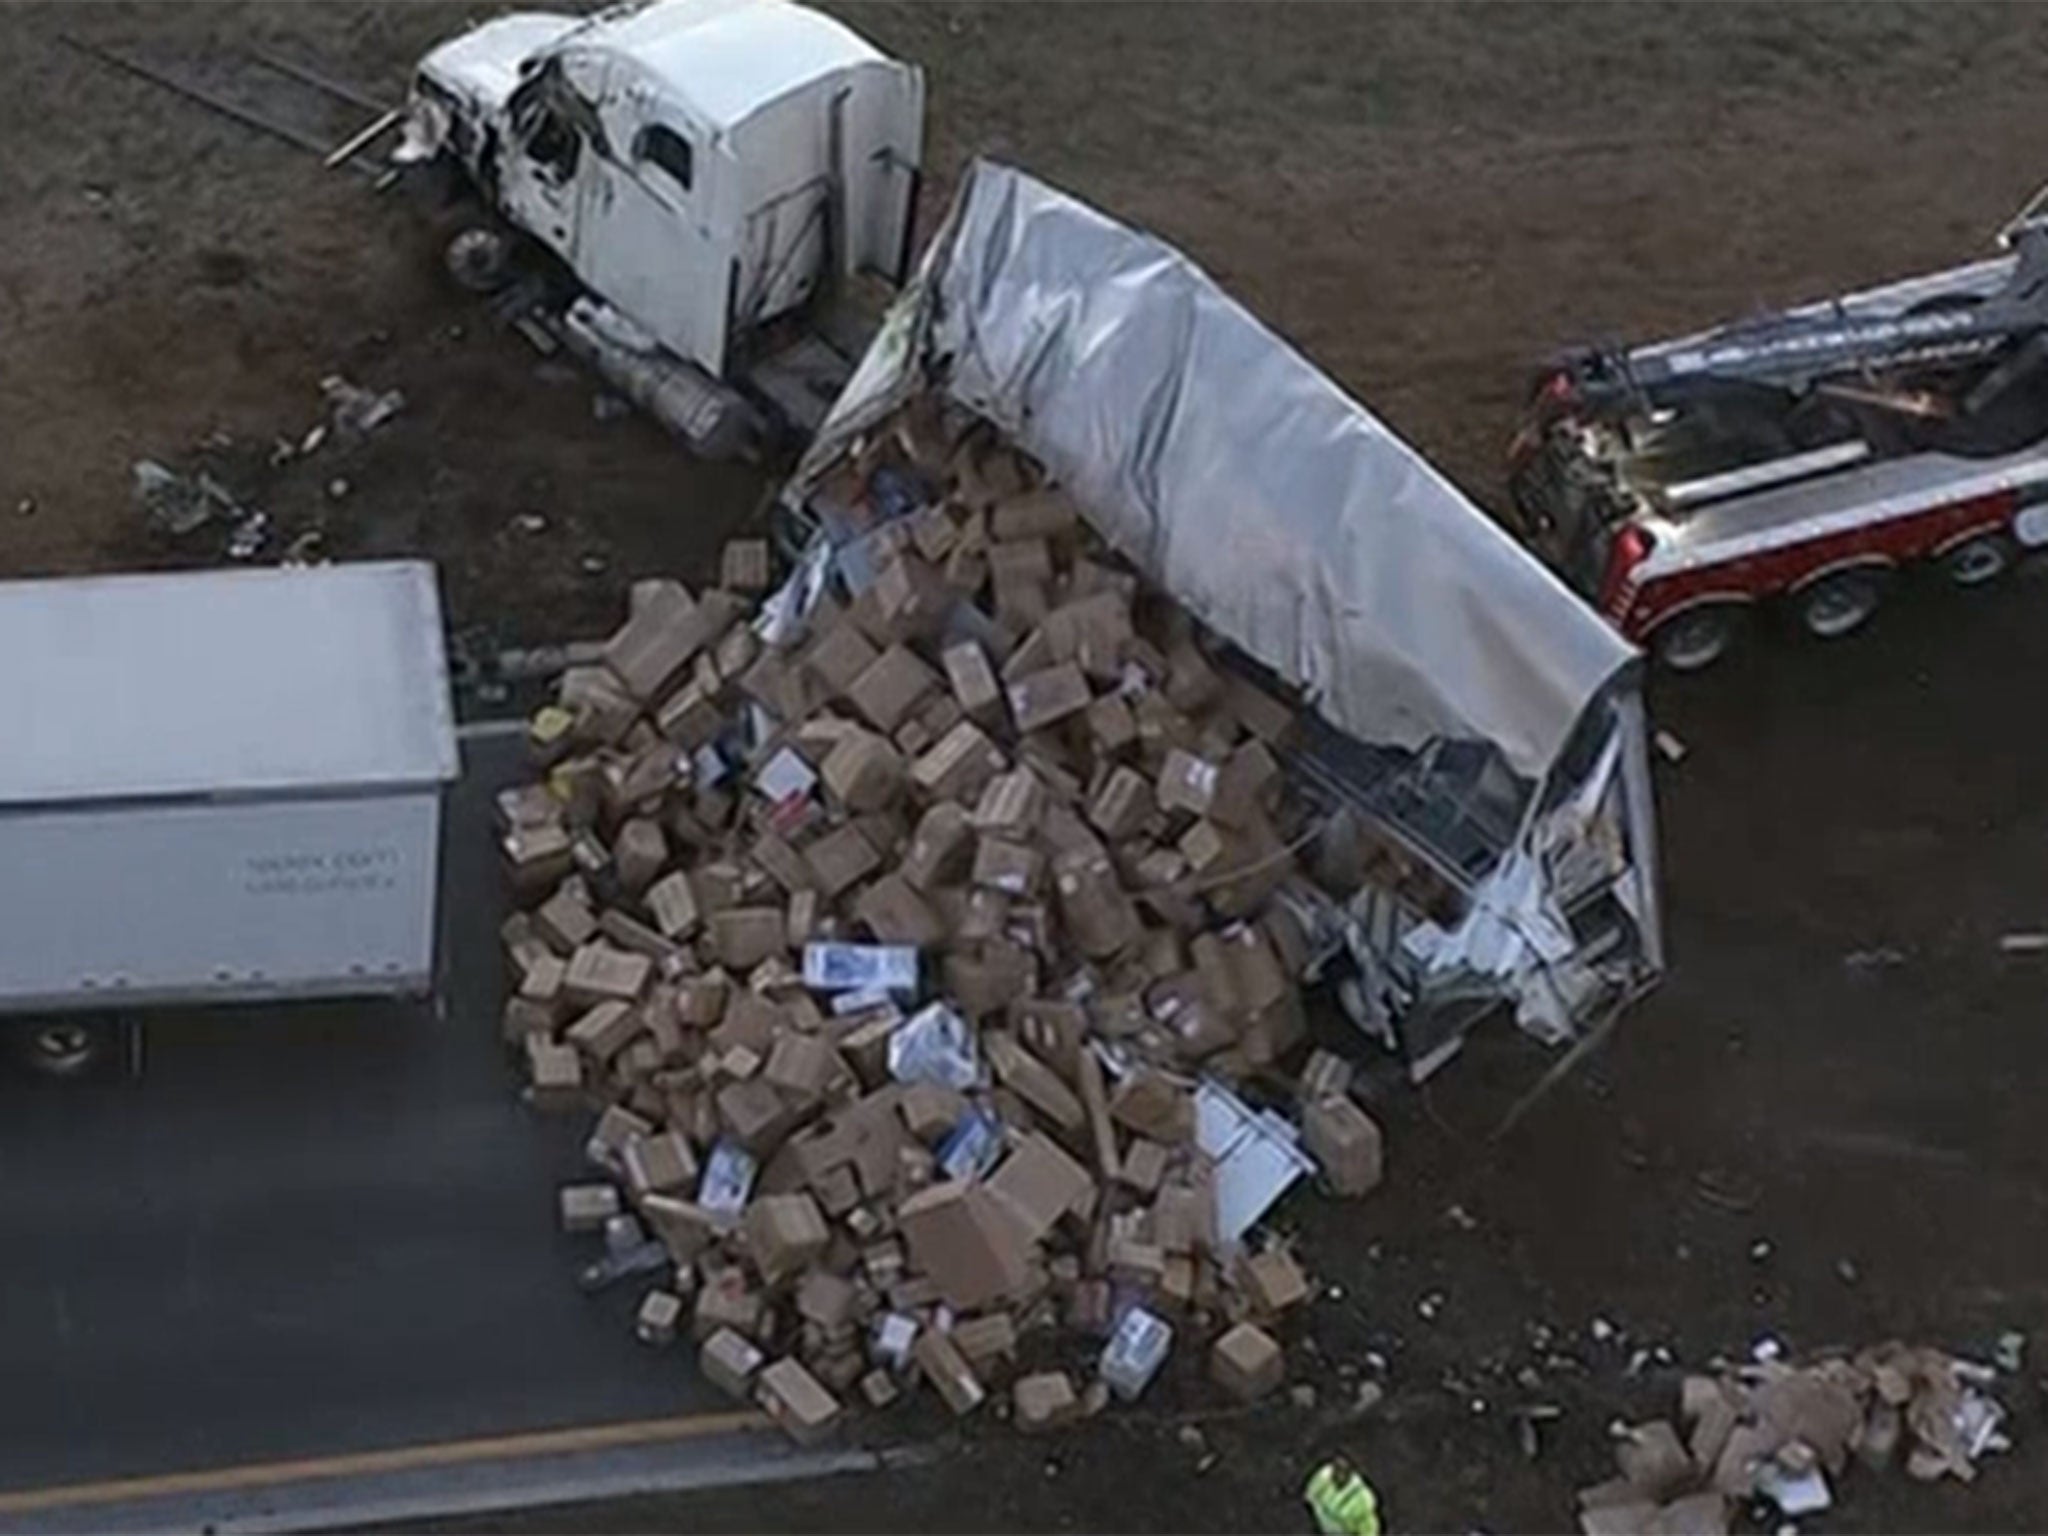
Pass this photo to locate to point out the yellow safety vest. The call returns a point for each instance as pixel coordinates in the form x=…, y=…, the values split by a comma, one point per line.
x=1346, y=1508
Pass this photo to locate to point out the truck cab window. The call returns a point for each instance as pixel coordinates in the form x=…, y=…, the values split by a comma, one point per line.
x=545, y=134
x=667, y=149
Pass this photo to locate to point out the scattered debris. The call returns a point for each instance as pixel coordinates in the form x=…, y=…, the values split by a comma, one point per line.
x=593, y=564
x=247, y=538
x=608, y=407
x=529, y=523
x=1726, y=1190
x=2010, y=1353
x=1760, y=1250
x=338, y=488
x=26, y=507
x=1847, y=1270
x=1781, y=1433
x=355, y=410
x=1670, y=747
x=1881, y=958
x=2023, y=943
x=177, y=504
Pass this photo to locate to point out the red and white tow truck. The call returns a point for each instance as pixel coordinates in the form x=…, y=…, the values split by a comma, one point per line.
x=1800, y=458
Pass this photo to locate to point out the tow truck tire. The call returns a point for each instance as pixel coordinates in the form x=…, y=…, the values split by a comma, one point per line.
x=479, y=258
x=67, y=1048
x=1977, y=561
x=1696, y=639
x=1841, y=604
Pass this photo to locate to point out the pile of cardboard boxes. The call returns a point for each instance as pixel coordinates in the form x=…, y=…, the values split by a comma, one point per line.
x=890, y=938
x=1779, y=1432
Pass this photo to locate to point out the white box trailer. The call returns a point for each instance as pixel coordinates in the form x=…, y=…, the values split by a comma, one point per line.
x=219, y=786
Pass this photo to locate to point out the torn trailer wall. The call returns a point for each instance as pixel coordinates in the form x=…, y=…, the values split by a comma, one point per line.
x=1469, y=710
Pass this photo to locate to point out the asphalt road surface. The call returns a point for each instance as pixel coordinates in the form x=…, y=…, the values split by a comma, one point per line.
x=312, y=1229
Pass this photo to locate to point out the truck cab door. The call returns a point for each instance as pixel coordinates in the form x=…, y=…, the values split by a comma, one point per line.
x=651, y=247
x=553, y=143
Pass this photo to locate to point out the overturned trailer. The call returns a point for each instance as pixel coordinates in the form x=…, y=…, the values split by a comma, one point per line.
x=1470, y=724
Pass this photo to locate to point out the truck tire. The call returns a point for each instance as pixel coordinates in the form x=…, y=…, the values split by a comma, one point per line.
x=68, y=1048
x=1694, y=640
x=1840, y=604
x=479, y=258
x=1976, y=561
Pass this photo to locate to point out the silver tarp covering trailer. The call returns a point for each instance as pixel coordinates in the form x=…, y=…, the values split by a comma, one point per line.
x=1466, y=697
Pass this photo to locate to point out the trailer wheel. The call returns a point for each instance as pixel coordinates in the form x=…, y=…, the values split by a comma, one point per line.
x=1696, y=639
x=1840, y=604
x=68, y=1048
x=1977, y=561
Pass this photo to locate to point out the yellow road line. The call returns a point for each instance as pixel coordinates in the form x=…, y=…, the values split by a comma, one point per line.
x=451, y=1453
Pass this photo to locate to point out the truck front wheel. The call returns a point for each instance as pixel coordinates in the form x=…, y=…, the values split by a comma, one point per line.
x=1976, y=561
x=479, y=258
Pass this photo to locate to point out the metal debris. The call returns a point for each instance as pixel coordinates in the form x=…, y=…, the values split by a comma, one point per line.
x=247, y=538
x=1670, y=748
x=530, y=522
x=337, y=488
x=356, y=410
x=2010, y=1353
x=2023, y=943
x=26, y=507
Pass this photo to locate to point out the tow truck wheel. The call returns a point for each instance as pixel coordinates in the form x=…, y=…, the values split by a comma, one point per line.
x=1696, y=639
x=1976, y=561
x=479, y=259
x=1838, y=605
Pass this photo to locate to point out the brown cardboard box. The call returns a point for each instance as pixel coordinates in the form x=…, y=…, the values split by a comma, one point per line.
x=701, y=1000
x=730, y=1363
x=1153, y=1106
x=801, y=916
x=1031, y=654
x=955, y=769
x=1020, y=561
x=1184, y=1216
x=798, y=1402
x=930, y=1110
x=783, y=1233
x=879, y=1388
x=895, y=914
x=1144, y=1167
x=1091, y=632
x=755, y=1114
x=599, y=973
x=1247, y=1363
x=940, y=848
x=838, y=656
x=784, y=864
x=657, y=642
x=863, y=771
x=987, y=1340
x=743, y=567
x=523, y=1017
x=1044, y=1402
x=655, y=1323
x=587, y=1207
x=535, y=858
x=1099, y=916
x=690, y=717
x=1274, y=1282
x=660, y=1164
x=1206, y=849
x=907, y=600
x=565, y=921
x=1034, y=1082
x=1009, y=804
x=726, y=1300
x=890, y=687
x=672, y=906
x=1187, y=783
x=990, y=981
x=1045, y=698
x=736, y=652
x=803, y=1066
x=826, y=1299
x=556, y=1075
x=967, y=1241
x=1111, y=725
x=1006, y=866
x=974, y=684
x=685, y=1228
x=1244, y=784
x=1122, y=805
x=1041, y=1183
x=839, y=859
x=719, y=884
x=745, y=936
x=601, y=706
x=604, y=1030
x=1256, y=977
x=1258, y=711
x=1344, y=1140
x=1044, y=514
x=947, y=1371
x=934, y=533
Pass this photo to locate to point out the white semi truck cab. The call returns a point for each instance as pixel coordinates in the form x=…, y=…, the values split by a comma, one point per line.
x=702, y=167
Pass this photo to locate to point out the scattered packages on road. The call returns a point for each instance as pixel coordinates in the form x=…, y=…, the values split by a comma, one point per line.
x=1781, y=1433
x=928, y=957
